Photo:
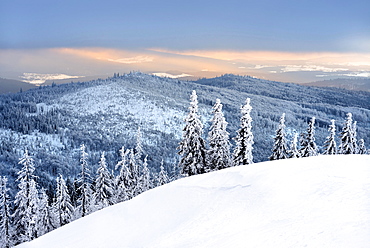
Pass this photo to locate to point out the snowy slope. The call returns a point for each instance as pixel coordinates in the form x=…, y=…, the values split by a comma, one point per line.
x=312, y=202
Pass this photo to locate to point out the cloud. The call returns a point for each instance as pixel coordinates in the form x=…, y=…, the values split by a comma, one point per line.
x=296, y=68
x=133, y=60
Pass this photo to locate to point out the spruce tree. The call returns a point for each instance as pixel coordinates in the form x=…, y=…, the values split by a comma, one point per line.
x=133, y=185
x=361, y=147
x=6, y=230
x=26, y=202
x=104, y=188
x=308, y=145
x=347, y=139
x=294, y=152
x=139, y=147
x=244, y=138
x=145, y=181
x=84, y=180
x=192, y=147
x=162, y=176
x=218, y=141
x=63, y=204
x=280, y=150
x=330, y=146
x=354, y=133
x=123, y=178
x=47, y=220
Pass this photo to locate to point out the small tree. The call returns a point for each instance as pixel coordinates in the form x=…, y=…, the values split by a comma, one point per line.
x=361, y=147
x=280, y=150
x=63, y=204
x=218, y=139
x=103, y=194
x=347, y=139
x=162, y=176
x=294, y=152
x=139, y=147
x=145, y=181
x=5, y=222
x=308, y=145
x=46, y=215
x=330, y=145
x=244, y=138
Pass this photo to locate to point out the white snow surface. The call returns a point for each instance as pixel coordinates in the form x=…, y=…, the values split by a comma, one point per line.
x=321, y=201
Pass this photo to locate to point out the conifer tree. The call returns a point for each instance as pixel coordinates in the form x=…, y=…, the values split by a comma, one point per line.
x=244, y=138
x=294, y=152
x=139, y=147
x=354, y=132
x=145, y=182
x=5, y=218
x=26, y=202
x=308, y=145
x=103, y=185
x=218, y=140
x=46, y=215
x=361, y=147
x=280, y=150
x=192, y=147
x=133, y=185
x=63, y=204
x=123, y=178
x=330, y=145
x=85, y=184
x=162, y=176
x=347, y=139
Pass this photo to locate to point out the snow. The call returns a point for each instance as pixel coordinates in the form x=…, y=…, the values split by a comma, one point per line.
x=321, y=201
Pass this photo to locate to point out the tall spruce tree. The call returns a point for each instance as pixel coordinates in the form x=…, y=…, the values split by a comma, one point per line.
x=330, y=146
x=244, y=138
x=280, y=150
x=192, y=147
x=218, y=141
x=6, y=230
x=26, y=202
x=133, y=185
x=123, y=178
x=63, y=204
x=104, y=187
x=84, y=180
x=145, y=182
x=347, y=140
x=139, y=147
x=354, y=133
x=308, y=145
x=294, y=152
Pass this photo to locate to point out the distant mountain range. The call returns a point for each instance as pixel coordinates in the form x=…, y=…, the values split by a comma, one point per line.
x=345, y=83
x=13, y=86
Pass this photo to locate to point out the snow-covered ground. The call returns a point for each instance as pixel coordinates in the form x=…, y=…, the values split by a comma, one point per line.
x=319, y=201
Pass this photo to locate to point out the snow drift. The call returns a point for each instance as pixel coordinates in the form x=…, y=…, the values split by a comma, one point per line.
x=319, y=201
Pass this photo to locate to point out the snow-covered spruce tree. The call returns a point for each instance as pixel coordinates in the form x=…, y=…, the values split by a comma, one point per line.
x=162, y=176
x=47, y=218
x=330, y=146
x=123, y=178
x=192, y=147
x=104, y=186
x=63, y=204
x=139, y=147
x=133, y=188
x=244, y=138
x=354, y=131
x=308, y=145
x=26, y=202
x=145, y=182
x=280, y=150
x=347, y=140
x=5, y=220
x=84, y=180
x=294, y=152
x=218, y=140
x=361, y=147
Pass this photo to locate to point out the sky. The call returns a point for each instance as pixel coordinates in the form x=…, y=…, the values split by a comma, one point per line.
x=296, y=41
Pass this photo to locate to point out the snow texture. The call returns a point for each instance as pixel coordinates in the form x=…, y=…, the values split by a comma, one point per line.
x=320, y=201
